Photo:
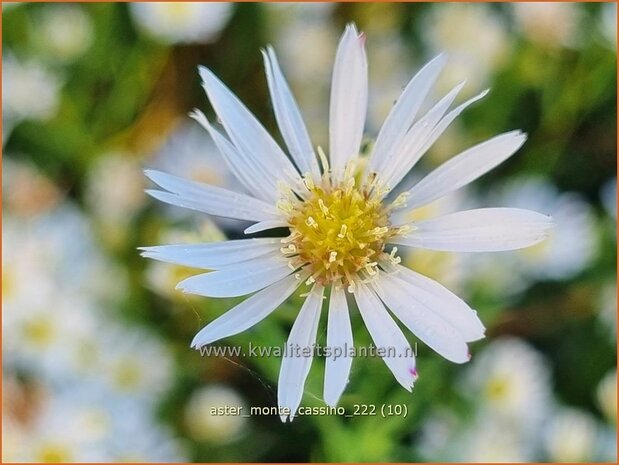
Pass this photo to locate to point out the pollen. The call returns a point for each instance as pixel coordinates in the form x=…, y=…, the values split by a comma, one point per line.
x=338, y=233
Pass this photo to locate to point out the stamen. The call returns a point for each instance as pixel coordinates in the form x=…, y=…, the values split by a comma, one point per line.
x=323, y=207
x=400, y=200
x=323, y=159
x=311, y=222
x=338, y=233
x=309, y=182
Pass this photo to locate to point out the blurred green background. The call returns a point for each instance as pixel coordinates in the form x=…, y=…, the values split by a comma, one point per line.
x=96, y=357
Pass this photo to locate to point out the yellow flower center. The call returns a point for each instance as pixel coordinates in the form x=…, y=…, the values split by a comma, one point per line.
x=497, y=389
x=338, y=233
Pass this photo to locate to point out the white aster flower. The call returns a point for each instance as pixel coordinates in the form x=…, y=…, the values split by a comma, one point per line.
x=474, y=36
x=29, y=91
x=488, y=441
x=182, y=22
x=548, y=24
x=511, y=381
x=486, y=438
x=216, y=414
x=118, y=177
x=133, y=364
x=341, y=229
x=25, y=190
x=86, y=422
x=64, y=31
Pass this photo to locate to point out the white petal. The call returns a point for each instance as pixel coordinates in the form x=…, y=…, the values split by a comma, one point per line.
x=238, y=279
x=264, y=225
x=240, y=165
x=438, y=130
x=248, y=135
x=423, y=322
x=409, y=153
x=340, y=343
x=387, y=336
x=289, y=117
x=481, y=230
x=247, y=313
x=349, y=98
x=403, y=114
x=443, y=302
x=296, y=363
x=464, y=168
x=212, y=255
x=209, y=199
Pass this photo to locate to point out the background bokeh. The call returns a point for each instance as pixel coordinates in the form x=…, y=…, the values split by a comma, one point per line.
x=96, y=357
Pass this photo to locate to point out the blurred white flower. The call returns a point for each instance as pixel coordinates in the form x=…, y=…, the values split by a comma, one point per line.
x=29, y=91
x=83, y=422
x=209, y=415
x=510, y=381
x=485, y=438
x=475, y=38
x=548, y=24
x=25, y=191
x=63, y=31
x=488, y=440
x=141, y=440
x=181, y=22
x=437, y=433
x=66, y=430
x=607, y=396
x=54, y=279
x=115, y=193
x=571, y=436
x=58, y=247
x=133, y=363
x=47, y=340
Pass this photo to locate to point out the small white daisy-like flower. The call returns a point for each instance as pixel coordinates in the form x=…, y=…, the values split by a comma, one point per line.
x=548, y=24
x=511, y=381
x=343, y=227
x=216, y=414
x=63, y=32
x=182, y=22
x=476, y=38
x=29, y=91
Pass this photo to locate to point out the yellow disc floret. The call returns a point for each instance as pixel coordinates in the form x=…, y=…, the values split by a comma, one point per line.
x=337, y=233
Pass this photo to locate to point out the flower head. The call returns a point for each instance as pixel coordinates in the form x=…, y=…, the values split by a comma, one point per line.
x=345, y=214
